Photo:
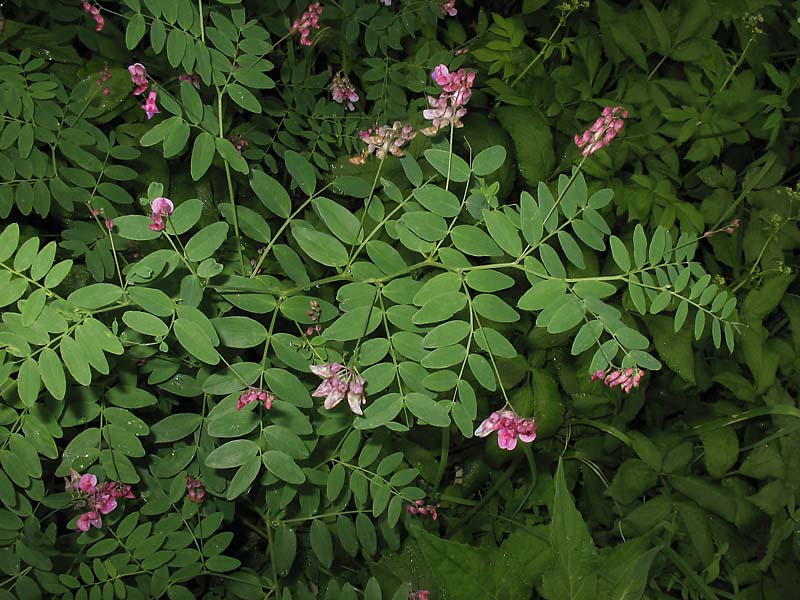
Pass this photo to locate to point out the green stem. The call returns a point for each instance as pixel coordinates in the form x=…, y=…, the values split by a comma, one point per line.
x=202, y=24
x=353, y=253
x=449, y=158
x=536, y=58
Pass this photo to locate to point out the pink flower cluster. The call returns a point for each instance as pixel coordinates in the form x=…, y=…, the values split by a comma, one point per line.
x=509, y=428
x=626, y=379
x=307, y=21
x=419, y=595
x=192, y=78
x=105, y=75
x=239, y=143
x=195, y=489
x=729, y=229
x=420, y=508
x=314, y=311
x=449, y=8
x=160, y=208
x=448, y=108
x=343, y=91
x=384, y=140
x=340, y=381
x=95, y=12
x=98, y=499
x=254, y=394
x=139, y=78
x=604, y=129
x=149, y=105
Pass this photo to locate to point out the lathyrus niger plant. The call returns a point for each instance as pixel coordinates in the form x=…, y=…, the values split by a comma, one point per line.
x=399, y=299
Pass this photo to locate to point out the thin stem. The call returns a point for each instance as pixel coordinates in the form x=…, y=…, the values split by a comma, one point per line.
x=449, y=158
x=230, y=185
x=364, y=215
x=536, y=58
x=202, y=24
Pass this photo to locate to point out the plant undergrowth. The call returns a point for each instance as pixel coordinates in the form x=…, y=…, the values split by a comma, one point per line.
x=412, y=300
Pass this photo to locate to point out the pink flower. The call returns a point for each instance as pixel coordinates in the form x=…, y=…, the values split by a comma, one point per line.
x=149, y=105
x=95, y=12
x=626, y=379
x=449, y=8
x=139, y=78
x=192, y=78
x=387, y=2
x=509, y=428
x=307, y=21
x=604, y=129
x=420, y=508
x=100, y=499
x=385, y=140
x=89, y=519
x=195, y=490
x=339, y=382
x=87, y=483
x=160, y=208
x=254, y=394
x=343, y=91
x=419, y=595
x=448, y=108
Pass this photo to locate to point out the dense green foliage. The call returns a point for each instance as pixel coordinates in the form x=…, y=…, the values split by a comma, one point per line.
x=486, y=267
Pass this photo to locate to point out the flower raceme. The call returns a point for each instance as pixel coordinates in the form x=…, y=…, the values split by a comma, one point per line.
x=254, y=394
x=94, y=10
x=139, y=78
x=384, y=140
x=626, y=379
x=195, y=489
x=343, y=91
x=98, y=499
x=604, y=129
x=448, y=108
x=149, y=105
x=449, y=8
x=509, y=428
x=307, y=21
x=420, y=508
x=339, y=381
x=160, y=208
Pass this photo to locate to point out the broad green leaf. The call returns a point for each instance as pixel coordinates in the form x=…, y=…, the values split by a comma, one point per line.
x=52, y=373
x=437, y=200
x=231, y=454
x=321, y=247
x=301, y=171
x=531, y=219
x=95, y=296
x=503, y=232
x=206, y=241
x=145, y=323
x=639, y=246
x=322, y=543
x=195, y=341
x=542, y=294
x=474, y=241
x=284, y=467
x=488, y=161
x=175, y=427
x=340, y=221
x=620, y=254
x=445, y=163
x=574, y=576
x=271, y=193
x=243, y=97
x=202, y=154
x=426, y=409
